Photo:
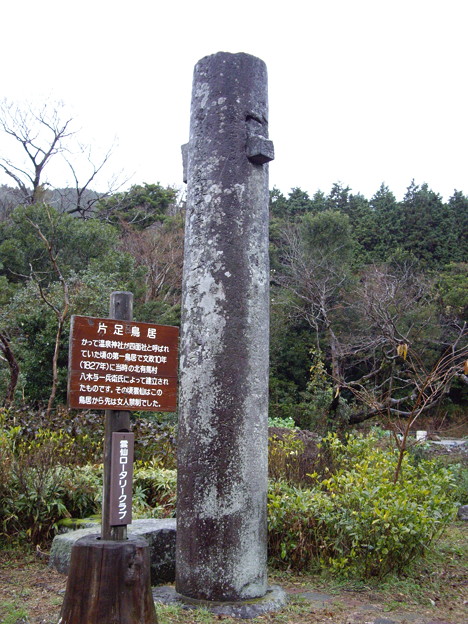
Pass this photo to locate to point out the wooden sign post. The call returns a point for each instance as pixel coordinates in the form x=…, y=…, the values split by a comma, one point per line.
x=116, y=365
x=119, y=365
x=121, y=308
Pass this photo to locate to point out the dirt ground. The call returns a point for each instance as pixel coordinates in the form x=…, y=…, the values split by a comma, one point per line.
x=31, y=593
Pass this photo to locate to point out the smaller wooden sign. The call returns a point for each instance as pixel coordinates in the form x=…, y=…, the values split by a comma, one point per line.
x=121, y=478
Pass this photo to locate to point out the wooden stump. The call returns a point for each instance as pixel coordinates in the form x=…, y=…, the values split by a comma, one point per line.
x=109, y=583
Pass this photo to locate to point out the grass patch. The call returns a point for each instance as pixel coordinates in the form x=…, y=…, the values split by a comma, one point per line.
x=439, y=577
x=11, y=613
x=297, y=610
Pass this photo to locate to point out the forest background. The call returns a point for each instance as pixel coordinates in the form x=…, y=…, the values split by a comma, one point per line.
x=368, y=295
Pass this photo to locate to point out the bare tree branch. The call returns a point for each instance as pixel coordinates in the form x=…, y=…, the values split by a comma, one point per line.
x=84, y=205
x=5, y=348
x=41, y=134
x=61, y=314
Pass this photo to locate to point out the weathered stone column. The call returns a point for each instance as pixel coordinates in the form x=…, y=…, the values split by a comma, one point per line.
x=223, y=423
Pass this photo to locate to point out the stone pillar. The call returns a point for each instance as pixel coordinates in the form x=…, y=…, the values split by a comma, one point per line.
x=223, y=406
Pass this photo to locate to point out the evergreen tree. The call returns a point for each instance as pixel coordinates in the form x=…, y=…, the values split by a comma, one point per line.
x=387, y=222
x=457, y=214
x=426, y=226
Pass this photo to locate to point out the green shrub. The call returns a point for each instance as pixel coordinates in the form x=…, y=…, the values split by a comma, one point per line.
x=357, y=521
x=293, y=454
x=32, y=486
x=83, y=495
x=283, y=423
x=295, y=526
x=295, y=411
x=37, y=489
x=284, y=451
x=461, y=479
x=155, y=442
x=33, y=500
x=155, y=491
x=36, y=497
x=78, y=435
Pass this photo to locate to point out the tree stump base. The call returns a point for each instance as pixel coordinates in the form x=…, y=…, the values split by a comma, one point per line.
x=109, y=583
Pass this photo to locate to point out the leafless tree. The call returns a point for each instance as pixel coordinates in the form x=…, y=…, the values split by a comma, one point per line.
x=430, y=385
x=84, y=200
x=159, y=250
x=394, y=314
x=9, y=357
x=60, y=312
x=10, y=198
x=41, y=134
x=408, y=387
x=315, y=280
x=373, y=330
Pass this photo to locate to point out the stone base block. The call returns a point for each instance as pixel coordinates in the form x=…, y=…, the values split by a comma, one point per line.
x=273, y=600
x=160, y=535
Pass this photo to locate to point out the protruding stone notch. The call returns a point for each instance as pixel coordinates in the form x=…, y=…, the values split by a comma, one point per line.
x=259, y=150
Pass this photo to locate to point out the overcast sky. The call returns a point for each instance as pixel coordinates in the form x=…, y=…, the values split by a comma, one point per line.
x=361, y=91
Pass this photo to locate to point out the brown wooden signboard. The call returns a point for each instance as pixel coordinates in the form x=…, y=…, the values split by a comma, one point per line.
x=122, y=365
